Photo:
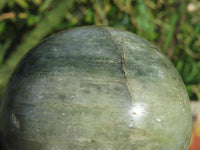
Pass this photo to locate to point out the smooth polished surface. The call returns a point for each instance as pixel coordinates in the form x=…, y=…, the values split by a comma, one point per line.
x=95, y=88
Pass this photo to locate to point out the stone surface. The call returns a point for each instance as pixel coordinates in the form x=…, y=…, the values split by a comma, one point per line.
x=95, y=88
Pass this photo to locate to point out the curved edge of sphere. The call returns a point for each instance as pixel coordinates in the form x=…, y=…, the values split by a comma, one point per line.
x=95, y=88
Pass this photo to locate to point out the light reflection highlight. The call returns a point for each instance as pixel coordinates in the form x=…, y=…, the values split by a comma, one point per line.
x=137, y=110
x=137, y=114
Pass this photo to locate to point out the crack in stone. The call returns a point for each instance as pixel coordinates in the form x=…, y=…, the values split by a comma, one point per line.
x=122, y=64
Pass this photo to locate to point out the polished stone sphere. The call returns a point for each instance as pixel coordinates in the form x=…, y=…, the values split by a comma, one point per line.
x=95, y=88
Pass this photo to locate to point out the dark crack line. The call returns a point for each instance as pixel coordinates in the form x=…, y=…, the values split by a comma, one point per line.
x=120, y=49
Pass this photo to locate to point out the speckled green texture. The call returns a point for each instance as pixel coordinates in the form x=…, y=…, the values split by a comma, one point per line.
x=95, y=88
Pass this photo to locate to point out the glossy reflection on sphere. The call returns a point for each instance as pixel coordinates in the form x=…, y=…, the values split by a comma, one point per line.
x=95, y=88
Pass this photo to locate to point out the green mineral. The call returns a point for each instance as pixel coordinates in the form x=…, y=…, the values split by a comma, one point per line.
x=95, y=88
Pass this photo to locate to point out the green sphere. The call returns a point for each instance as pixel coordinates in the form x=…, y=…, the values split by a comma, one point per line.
x=95, y=88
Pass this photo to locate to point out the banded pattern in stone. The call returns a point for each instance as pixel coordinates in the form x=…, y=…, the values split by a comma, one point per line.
x=95, y=88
